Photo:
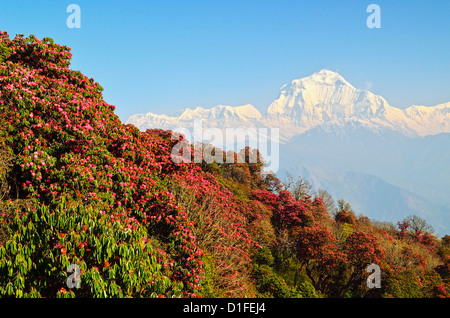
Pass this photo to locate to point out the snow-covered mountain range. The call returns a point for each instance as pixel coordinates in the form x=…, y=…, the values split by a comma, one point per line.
x=220, y=116
x=388, y=162
x=324, y=98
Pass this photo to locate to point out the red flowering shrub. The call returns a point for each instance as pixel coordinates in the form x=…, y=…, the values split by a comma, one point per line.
x=403, y=227
x=388, y=236
x=67, y=140
x=220, y=226
x=292, y=213
x=426, y=239
x=269, y=199
x=318, y=252
x=362, y=249
x=344, y=216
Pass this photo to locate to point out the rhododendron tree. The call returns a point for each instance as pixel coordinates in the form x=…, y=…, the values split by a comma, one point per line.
x=318, y=252
x=403, y=227
x=292, y=213
x=361, y=250
x=344, y=216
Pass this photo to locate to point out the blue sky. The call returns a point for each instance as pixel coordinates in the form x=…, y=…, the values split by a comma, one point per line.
x=162, y=56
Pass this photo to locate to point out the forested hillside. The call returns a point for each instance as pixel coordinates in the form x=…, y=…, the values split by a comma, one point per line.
x=78, y=187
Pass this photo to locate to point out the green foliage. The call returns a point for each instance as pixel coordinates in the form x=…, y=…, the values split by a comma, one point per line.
x=269, y=284
x=264, y=256
x=414, y=284
x=343, y=231
x=6, y=162
x=405, y=284
x=4, y=52
x=210, y=286
x=307, y=290
x=115, y=261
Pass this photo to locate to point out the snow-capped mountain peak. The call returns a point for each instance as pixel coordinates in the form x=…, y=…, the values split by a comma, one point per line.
x=326, y=77
x=323, y=97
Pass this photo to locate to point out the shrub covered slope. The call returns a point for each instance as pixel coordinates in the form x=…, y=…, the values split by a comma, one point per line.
x=79, y=187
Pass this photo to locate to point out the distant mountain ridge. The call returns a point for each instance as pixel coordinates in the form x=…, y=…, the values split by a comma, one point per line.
x=363, y=166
